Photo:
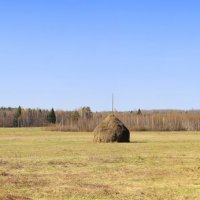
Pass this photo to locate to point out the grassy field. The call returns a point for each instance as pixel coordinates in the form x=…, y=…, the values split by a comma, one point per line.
x=37, y=164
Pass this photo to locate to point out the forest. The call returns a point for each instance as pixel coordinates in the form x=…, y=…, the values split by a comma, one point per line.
x=84, y=119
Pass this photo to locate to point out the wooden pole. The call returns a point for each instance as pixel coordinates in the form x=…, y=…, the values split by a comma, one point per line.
x=112, y=103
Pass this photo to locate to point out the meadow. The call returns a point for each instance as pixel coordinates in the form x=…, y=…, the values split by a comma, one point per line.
x=37, y=164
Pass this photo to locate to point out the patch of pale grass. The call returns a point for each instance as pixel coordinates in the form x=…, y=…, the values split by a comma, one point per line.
x=37, y=164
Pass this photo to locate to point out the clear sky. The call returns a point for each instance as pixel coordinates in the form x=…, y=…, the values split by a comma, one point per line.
x=71, y=53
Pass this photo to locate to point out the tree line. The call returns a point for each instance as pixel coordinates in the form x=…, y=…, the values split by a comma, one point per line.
x=19, y=117
x=84, y=119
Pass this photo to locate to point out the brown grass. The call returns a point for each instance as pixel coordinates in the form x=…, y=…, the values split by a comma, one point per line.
x=40, y=165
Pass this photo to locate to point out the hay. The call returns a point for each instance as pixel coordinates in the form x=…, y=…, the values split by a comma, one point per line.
x=111, y=130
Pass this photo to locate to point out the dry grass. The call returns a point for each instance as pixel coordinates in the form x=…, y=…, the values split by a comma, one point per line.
x=111, y=129
x=36, y=164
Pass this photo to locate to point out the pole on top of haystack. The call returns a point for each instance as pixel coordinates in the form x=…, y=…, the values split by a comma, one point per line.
x=112, y=103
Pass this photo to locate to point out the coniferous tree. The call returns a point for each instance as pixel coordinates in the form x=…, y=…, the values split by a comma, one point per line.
x=75, y=116
x=51, y=117
x=17, y=115
x=139, y=112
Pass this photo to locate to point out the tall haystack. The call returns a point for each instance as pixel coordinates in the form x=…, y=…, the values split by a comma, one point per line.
x=111, y=130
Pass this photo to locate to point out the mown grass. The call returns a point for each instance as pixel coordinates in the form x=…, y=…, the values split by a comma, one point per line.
x=37, y=164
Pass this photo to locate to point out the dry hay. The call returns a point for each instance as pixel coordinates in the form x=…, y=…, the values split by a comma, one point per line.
x=111, y=130
x=13, y=197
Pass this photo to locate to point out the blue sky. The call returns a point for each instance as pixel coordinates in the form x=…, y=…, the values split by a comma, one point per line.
x=71, y=53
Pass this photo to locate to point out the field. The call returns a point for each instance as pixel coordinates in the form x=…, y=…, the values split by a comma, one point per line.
x=37, y=164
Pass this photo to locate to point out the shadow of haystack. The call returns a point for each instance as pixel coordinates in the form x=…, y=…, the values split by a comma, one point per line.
x=111, y=129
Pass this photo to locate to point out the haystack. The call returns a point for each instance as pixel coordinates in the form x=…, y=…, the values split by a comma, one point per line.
x=111, y=130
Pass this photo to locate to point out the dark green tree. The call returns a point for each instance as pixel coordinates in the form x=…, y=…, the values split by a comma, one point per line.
x=75, y=116
x=139, y=112
x=51, y=117
x=16, y=120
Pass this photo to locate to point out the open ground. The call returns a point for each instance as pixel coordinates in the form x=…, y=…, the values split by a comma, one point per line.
x=39, y=164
